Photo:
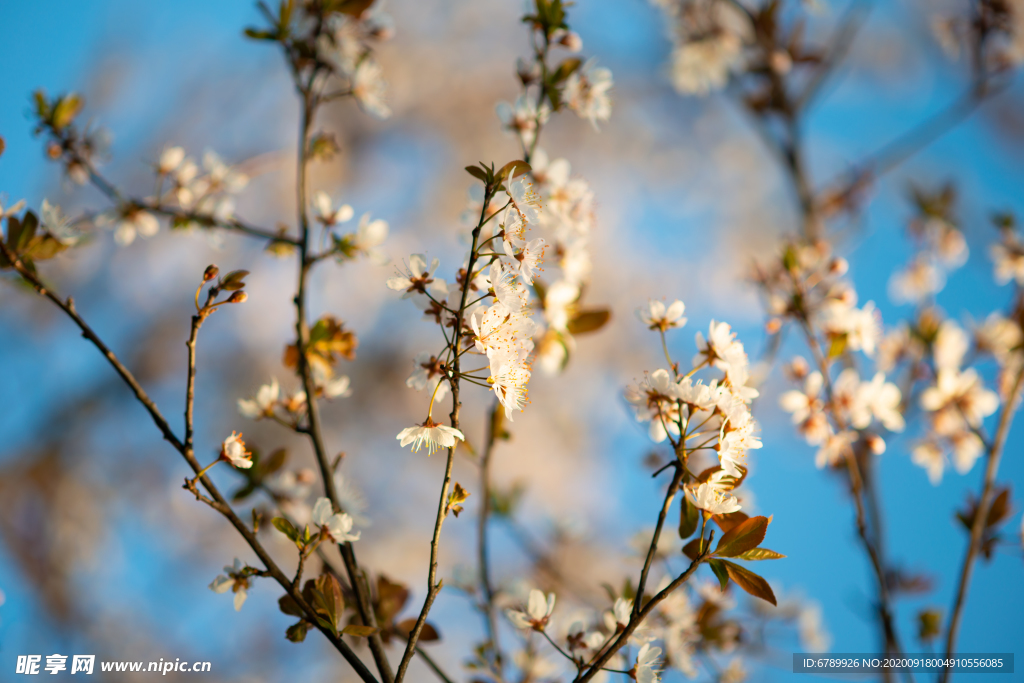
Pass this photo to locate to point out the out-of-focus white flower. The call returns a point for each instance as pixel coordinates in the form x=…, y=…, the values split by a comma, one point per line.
x=659, y=317
x=523, y=118
x=233, y=451
x=962, y=396
x=170, y=159
x=928, y=455
x=58, y=224
x=325, y=211
x=734, y=672
x=835, y=449
x=619, y=615
x=427, y=373
x=369, y=235
x=647, y=669
x=369, y=89
x=236, y=579
x=811, y=628
x=998, y=336
x=586, y=92
x=128, y=222
x=919, y=280
x=263, y=404
x=951, y=344
x=702, y=66
x=537, y=613
x=336, y=526
x=431, y=434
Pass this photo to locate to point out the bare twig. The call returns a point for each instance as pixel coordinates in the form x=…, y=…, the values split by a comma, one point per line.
x=216, y=500
x=638, y=618
x=995, y=453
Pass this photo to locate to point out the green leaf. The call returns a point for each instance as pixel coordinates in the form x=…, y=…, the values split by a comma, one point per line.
x=358, y=630
x=233, y=280
x=478, y=173
x=718, y=567
x=29, y=225
x=760, y=554
x=742, y=537
x=689, y=518
x=66, y=110
x=297, y=632
x=286, y=528
x=750, y=582
x=273, y=462
x=566, y=69
x=589, y=320
x=289, y=606
x=257, y=34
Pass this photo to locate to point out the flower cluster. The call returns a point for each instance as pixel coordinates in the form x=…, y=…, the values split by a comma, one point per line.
x=714, y=415
x=805, y=284
x=940, y=247
x=346, y=48
x=709, y=39
x=837, y=419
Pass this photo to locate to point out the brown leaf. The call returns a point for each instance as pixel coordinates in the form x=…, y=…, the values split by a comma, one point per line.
x=745, y=536
x=750, y=582
x=727, y=521
x=358, y=630
x=589, y=320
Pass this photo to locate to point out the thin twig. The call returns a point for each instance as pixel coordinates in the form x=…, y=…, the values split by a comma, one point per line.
x=487, y=589
x=217, y=500
x=670, y=494
x=981, y=515
x=637, y=619
x=434, y=588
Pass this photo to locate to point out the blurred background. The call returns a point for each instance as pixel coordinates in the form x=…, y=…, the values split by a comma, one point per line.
x=102, y=552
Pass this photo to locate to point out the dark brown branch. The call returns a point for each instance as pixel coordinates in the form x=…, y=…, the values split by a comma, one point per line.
x=216, y=500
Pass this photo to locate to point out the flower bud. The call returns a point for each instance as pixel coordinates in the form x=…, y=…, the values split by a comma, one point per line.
x=238, y=298
x=876, y=444
x=798, y=368
x=53, y=150
x=773, y=326
x=211, y=272
x=839, y=266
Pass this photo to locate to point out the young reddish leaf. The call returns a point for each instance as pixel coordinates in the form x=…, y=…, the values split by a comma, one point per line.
x=477, y=173
x=760, y=554
x=750, y=582
x=692, y=549
x=742, y=537
x=718, y=567
x=728, y=521
x=517, y=168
